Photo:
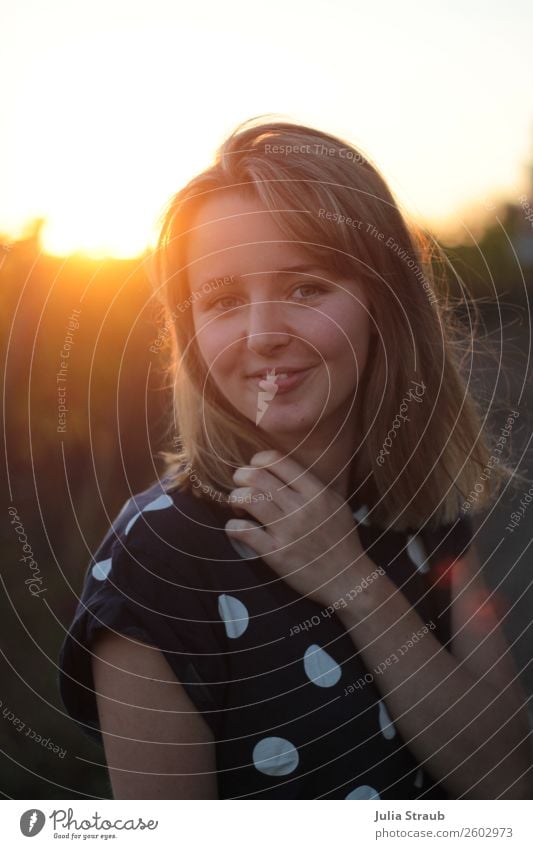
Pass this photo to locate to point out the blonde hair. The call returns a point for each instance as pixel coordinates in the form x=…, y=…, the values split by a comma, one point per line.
x=436, y=461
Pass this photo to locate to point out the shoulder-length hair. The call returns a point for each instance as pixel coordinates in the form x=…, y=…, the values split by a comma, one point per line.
x=327, y=197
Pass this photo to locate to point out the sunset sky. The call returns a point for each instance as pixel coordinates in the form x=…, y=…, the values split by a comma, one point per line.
x=109, y=106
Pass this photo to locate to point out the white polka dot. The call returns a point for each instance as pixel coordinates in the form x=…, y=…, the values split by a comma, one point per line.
x=132, y=522
x=419, y=778
x=320, y=667
x=160, y=503
x=244, y=550
x=234, y=615
x=363, y=792
x=275, y=756
x=124, y=508
x=361, y=515
x=101, y=570
x=385, y=723
x=417, y=552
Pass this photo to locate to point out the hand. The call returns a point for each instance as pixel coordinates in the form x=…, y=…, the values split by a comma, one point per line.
x=309, y=536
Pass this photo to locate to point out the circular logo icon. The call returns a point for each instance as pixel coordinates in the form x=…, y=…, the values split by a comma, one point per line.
x=31, y=822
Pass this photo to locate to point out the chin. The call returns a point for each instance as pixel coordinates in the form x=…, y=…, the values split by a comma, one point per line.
x=283, y=424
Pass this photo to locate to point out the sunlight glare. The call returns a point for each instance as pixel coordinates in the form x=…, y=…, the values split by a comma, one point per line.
x=100, y=175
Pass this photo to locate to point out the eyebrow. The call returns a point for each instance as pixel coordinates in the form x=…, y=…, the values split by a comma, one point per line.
x=236, y=278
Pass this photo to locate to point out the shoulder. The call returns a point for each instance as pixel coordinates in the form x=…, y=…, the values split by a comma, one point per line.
x=160, y=520
x=162, y=547
x=151, y=580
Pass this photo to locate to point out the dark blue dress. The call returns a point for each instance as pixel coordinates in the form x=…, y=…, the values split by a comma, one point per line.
x=272, y=673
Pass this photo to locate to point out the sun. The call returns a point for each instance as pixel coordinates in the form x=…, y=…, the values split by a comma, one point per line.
x=100, y=148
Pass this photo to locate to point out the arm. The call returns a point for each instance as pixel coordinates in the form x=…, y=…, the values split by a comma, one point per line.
x=466, y=722
x=463, y=719
x=157, y=745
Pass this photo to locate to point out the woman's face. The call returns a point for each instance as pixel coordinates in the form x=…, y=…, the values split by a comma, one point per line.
x=271, y=308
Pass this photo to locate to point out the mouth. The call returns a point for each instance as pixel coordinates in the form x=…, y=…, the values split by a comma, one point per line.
x=281, y=381
x=276, y=371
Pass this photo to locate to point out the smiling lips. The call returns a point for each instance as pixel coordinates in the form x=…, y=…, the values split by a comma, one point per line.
x=278, y=370
x=282, y=380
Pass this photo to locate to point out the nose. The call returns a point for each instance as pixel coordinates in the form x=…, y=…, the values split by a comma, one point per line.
x=267, y=328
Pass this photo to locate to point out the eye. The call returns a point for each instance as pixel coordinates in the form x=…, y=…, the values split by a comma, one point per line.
x=227, y=302
x=316, y=286
x=218, y=301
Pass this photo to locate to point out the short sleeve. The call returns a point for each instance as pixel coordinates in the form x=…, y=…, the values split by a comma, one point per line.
x=161, y=599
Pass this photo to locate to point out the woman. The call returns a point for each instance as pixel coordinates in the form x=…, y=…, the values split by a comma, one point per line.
x=296, y=610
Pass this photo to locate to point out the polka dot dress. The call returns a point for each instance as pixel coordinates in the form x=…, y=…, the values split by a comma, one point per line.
x=294, y=711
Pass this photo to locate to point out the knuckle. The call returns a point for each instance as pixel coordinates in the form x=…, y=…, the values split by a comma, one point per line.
x=240, y=494
x=247, y=474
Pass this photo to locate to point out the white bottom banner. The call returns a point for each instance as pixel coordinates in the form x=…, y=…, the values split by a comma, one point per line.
x=180, y=823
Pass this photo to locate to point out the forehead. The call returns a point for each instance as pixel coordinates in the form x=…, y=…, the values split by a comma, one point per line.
x=234, y=234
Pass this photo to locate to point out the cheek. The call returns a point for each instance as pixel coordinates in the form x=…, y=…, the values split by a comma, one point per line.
x=342, y=334
x=213, y=344
x=321, y=331
x=358, y=331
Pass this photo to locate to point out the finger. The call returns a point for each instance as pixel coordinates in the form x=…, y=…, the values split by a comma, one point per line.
x=250, y=534
x=300, y=479
x=264, y=509
x=262, y=480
